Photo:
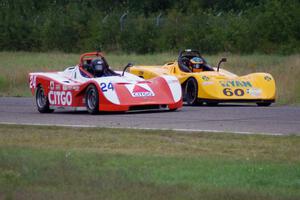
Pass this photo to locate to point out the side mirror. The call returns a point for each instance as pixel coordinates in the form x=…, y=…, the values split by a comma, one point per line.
x=127, y=66
x=222, y=60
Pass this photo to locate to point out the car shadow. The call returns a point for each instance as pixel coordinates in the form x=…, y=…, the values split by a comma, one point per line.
x=153, y=111
x=222, y=105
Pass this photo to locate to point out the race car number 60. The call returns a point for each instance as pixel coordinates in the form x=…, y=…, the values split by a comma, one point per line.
x=237, y=92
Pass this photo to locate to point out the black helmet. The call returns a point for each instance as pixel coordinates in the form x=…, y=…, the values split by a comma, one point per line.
x=98, y=67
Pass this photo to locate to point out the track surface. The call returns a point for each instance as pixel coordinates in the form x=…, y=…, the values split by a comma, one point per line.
x=231, y=118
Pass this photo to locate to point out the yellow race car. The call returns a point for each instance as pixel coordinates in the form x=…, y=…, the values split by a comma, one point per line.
x=202, y=83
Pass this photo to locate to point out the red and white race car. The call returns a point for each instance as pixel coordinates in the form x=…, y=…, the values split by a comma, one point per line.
x=94, y=87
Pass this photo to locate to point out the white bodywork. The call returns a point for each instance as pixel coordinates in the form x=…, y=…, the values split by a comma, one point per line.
x=72, y=77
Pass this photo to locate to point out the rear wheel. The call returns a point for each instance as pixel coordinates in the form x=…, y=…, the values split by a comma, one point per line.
x=191, y=92
x=42, y=101
x=92, y=99
x=263, y=103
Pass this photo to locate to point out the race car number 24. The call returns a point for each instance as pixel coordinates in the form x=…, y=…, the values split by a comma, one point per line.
x=32, y=81
x=237, y=92
x=105, y=87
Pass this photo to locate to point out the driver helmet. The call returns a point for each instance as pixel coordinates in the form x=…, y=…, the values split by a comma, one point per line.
x=98, y=67
x=196, y=64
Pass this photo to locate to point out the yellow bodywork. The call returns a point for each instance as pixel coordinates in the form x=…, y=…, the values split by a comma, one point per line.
x=218, y=86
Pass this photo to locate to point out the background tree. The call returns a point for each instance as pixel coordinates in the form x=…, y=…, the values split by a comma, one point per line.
x=241, y=26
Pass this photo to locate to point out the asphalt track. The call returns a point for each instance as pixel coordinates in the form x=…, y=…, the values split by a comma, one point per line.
x=225, y=118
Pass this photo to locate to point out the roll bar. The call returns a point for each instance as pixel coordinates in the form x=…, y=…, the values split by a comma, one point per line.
x=87, y=56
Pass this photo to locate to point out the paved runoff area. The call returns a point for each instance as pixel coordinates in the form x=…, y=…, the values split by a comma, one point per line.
x=246, y=118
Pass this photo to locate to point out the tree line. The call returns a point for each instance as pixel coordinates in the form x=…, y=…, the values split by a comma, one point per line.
x=238, y=26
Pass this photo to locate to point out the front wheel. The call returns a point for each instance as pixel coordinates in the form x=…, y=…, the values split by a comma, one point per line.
x=42, y=101
x=191, y=92
x=92, y=99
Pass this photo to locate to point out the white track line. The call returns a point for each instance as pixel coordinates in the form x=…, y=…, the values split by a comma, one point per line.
x=137, y=128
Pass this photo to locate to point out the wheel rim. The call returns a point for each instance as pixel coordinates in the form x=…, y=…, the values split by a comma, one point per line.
x=41, y=98
x=91, y=99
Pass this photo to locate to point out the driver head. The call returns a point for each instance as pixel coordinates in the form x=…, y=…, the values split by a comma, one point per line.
x=98, y=67
x=196, y=64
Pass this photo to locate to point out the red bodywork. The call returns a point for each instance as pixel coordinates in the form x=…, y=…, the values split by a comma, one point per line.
x=116, y=93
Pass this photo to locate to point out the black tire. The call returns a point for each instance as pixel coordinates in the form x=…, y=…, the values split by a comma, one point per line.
x=265, y=104
x=42, y=101
x=92, y=99
x=191, y=92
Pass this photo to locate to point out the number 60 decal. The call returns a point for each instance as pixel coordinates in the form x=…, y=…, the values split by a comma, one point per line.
x=237, y=92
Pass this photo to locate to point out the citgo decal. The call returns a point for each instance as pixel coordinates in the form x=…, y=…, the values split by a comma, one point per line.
x=140, y=90
x=234, y=83
x=60, y=98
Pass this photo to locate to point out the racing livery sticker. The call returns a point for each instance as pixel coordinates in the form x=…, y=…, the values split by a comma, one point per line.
x=141, y=73
x=57, y=87
x=235, y=92
x=267, y=78
x=140, y=90
x=60, y=98
x=205, y=78
x=256, y=92
x=51, y=85
x=235, y=83
x=207, y=83
x=32, y=82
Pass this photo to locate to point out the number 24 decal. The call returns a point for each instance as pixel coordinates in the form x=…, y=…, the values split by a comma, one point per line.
x=32, y=81
x=237, y=92
x=105, y=87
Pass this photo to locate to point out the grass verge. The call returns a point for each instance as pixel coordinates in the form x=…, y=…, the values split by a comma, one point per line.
x=15, y=66
x=101, y=163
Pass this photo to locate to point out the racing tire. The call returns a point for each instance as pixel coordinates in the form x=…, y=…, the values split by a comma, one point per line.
x=92, y=99
x=191, y=92
x=263, y=104
x=42, y=101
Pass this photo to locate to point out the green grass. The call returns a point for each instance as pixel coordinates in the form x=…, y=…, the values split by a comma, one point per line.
x=101, y=163
x=15, y=66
